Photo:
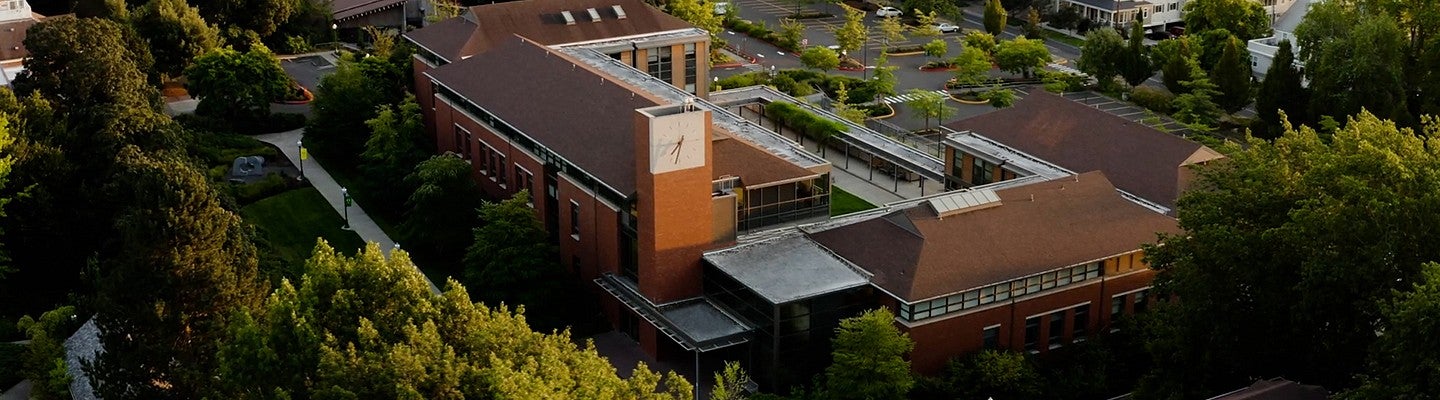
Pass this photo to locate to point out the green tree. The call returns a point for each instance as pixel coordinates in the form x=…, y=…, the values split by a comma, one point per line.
x=851, y=35
x=936, y=48
x=7, y=162
x=1362, y=68
x=1402, y=365
x=844, y=109
x=928, y=104
x=792, y=32
x=368, y=327
x=1032, y=25
x=925, y=25
x=1232, y=77
x=971, y=66
x=84, y=64
x=263, y=17
x=397, y=144
x=730, y=383
x=999, y=98
x=511, y=260
x=178, y=264
x=437, y=215
x=995, y=15
x=1022, y=56
x=891, y=31
x=869, y=358
x=980, y=40
x=1180, y=64
x=992, y=374
x=1135, y=64
x=237, y=85
x=176, y=34
x=44, y=360
x=700, y=13
x=884, y=80
x=114, y=10
x=1197, y=105
x=1243, y=18
x=1281, y=91
x=820, y=58
x=336, y=131
x=1270, y=243
x=1101, y=56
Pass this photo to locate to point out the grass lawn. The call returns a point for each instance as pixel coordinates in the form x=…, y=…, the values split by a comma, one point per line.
x=292, y=220
x=842, y=202
x=1051, y=34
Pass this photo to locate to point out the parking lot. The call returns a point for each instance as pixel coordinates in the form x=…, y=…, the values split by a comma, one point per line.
x=1130, y=112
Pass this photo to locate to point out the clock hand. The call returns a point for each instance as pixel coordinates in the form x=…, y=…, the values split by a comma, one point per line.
x=677, y=150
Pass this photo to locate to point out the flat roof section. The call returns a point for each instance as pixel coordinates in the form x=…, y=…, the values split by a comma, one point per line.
x=753, y=166
x=695, y=324
x=787, y=269
x=487, y=26
x=702, y=321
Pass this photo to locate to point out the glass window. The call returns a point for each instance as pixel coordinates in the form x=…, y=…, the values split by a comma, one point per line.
x=690, y=66
x=1047, y=281
x=972, y=298
x=1017, y=288
x=1062, y=277
x=1032, y=333
x=575, y=220
x=1032, y=284
x=1081, y=325
x=1117, y=307
x=462, y=141
x=991, y=337
x=983, y=173
x=1002, y=292
x=1057, y=328
x=1093, y=271
x=658, y=64
x=1142, y=301
x=987, y=295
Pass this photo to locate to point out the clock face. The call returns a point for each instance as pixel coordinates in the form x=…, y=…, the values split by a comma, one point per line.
x=677, y=142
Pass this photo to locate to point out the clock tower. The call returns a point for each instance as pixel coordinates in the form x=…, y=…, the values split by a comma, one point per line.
x=673, y=200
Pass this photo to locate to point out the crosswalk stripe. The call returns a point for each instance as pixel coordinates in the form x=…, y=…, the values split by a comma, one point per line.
x=901, y=98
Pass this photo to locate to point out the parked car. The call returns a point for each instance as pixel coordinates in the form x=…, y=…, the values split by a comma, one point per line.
x=722, y=7
x=1158, y=35
x=885, y=12
x=946, y=27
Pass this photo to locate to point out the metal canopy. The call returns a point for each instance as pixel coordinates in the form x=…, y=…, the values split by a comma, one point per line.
x=695, y=324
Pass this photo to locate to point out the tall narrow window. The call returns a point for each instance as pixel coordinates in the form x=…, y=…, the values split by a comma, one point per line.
x=574, y=220
x=1057, y=328
x=1142, y=301
x=984, y=172
x=1117, y=307
x=462, y=141
x=1082, y=321
x=991, y=337
x=691, y=69
x=658, y=63
x=1032, y=333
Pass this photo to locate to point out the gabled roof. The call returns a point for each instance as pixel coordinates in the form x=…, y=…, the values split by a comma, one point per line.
x=916, y=255
x=1138, y=158
x=485, y=26
x=754, y=167
x=586, y=117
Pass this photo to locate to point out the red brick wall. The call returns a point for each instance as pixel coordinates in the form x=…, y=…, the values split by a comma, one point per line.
x=424, y=93
x=674, y=222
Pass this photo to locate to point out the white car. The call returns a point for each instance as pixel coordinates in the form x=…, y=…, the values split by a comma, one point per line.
x=946, y=27
x=884, y=12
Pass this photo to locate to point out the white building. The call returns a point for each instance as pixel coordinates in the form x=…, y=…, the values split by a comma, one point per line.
x=1262, y=50
x=1153, y=14
x=15, y=19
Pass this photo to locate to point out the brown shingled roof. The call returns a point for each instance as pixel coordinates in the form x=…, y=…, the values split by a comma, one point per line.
x=12, y=37
x=754, y=166
x=1140, y=159
x=583, y=116
x=1038, y=227
x=540, y=21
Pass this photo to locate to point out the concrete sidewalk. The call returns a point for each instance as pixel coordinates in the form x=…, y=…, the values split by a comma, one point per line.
x=360, y=222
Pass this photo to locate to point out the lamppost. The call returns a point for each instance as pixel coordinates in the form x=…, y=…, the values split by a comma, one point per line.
x=345, y=193
x=335, y=37
x=300, y=146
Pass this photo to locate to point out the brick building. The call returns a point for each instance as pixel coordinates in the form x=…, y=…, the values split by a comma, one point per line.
x=706, y=234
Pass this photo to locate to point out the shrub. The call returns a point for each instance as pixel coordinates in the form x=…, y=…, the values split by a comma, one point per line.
x=297, y=44
x=804, y=122
x=273, y=184
x=11, y=360
x=1153, y=99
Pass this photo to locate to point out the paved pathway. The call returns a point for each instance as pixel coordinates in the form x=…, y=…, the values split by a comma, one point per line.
x=360, y=222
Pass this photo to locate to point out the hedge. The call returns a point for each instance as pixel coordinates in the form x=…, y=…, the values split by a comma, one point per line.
x=1153, y=99
x=759, y=31
x=803, y=121
x=797, y=82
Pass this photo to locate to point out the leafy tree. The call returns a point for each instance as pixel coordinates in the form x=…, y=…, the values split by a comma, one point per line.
x=1135, y=65
x=999, y=98
x=1032, y=25
x=176, y=34
x=730, y=383
x=884, y=80
x=1402, y=365
x=891, y=31
x=700, y=13
x=237, y=85
x=851, y=35
x=992, y=374
x=1101, y=55
x=843, y=107
x=820, y=57
x=1232, y=77
x=936, y=48
x=82, y=64
x=179, y=263
x=1363, y=68
x=1180, y=64
x=971, y=66
x=869, y=358
x=44, y=360
x=1281, y=91
x=438, y=213
x=792, y=31
x=1270, y=243
x=1243, y=18
x=346, y=98
x=1021, y=56
x=7, y=161
x=1197, y=104
x=512, y=260
x=397, y=144
x=928, y=104
x=263, y=17
x=925, y=25
x=995, y=15
x=980, y=40
x=1210, y=45
x=107, y=9
x=1065, y=17
x=368, y=327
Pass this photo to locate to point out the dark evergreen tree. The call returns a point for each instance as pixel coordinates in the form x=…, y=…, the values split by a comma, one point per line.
x=1231, y=75
x=1281, y=91
x=1135, y=65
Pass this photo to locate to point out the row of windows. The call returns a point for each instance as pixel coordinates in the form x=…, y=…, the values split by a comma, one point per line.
x=999, y=292
x=658, y=63
x=984, y=172
x=1079, y=323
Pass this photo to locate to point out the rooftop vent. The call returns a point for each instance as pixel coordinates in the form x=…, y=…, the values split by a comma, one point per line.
x=569, y=19
x=594, y=15
x=619, y=12
x=964, y=202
